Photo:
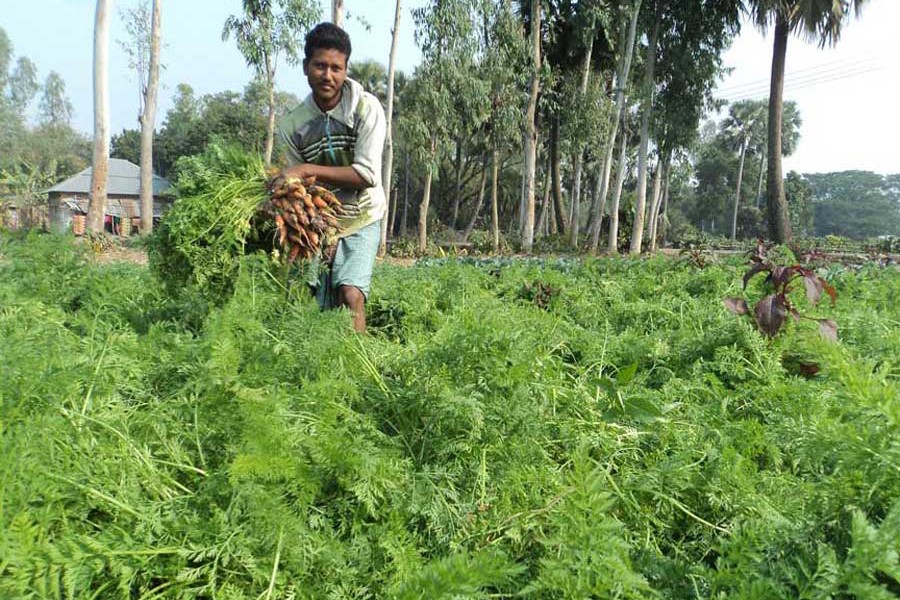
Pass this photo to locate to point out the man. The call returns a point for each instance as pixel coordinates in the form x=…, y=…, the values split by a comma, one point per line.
x=337, y=136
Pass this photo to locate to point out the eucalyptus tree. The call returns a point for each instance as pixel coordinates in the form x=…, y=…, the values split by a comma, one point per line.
x=575, y=50
x=503, y=59
x=23, y=84
x=388, y=166
x=142, y=49
x=656, y=8
x=448, y=39
x=628, y=20
x=818, y=20
x=54, y=108
x=148, y=121
x=100, y=162
x=6, y=54
x=136, y=21
x=266, y=30
x=337, y=12
x=693, y=38
x=530, y=137
x=621, y=165
x=586, y=110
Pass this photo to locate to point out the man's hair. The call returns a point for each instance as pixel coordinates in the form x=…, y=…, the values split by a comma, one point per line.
x=327, y=36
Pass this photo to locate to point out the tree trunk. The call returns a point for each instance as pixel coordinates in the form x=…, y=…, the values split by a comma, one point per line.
x=100, y=164
x=574, y=213
x=541, y=226
x=562, y=214
x=613, y=244
x=520, y=224
x=664, y=222
x=148, y=122
x=779, y=219
x=495, y=215
x=457, y=185
x=646, y=110
x=656, y=199
x=598, y=207
x=426, y=199
x=480, y=201
x=337, y=12
x=270, y=122
x=551, y=225
x=404, y=220
x=531, y=127
x=759, y=184
x=622, y=74
x=578, y=162
x=392, y=219
x=737, y=191
x=388, y=166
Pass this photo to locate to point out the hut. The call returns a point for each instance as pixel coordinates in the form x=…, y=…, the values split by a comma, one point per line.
x=68, y=200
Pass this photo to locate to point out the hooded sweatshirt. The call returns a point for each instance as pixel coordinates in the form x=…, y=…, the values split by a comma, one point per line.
x=349, y=135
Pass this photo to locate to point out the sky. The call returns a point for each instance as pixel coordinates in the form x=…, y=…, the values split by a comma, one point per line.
x=847, y=95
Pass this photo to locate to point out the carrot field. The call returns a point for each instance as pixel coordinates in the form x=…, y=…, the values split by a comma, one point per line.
x=509, y=428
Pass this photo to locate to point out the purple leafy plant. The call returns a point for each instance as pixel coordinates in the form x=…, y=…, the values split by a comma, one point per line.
x=772, y=311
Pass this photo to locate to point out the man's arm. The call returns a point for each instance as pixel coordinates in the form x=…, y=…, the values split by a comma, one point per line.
x=342, y=177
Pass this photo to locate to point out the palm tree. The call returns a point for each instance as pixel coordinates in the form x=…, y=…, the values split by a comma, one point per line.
x=817, y=20
x=372, y=76
x=742, y=128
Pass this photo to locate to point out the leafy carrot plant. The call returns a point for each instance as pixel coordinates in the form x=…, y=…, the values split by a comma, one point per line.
x=771, y=312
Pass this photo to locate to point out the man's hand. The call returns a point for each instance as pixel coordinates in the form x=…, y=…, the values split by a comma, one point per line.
x=343, y=177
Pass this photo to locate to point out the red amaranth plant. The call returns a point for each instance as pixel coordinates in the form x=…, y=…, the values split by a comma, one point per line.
x=771, y=312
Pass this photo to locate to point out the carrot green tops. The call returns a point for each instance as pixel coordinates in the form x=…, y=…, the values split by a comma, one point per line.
x=349, y=135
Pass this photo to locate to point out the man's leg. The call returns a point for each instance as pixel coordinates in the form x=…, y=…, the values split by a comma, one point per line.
x=351, y=297
x=351, y=271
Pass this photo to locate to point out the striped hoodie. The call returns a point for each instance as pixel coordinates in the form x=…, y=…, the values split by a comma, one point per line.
x=349, y=135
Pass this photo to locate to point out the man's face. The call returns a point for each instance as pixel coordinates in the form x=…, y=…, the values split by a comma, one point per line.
x=326, y=71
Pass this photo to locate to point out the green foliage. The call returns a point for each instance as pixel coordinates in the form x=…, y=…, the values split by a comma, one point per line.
x=269, y=28
x=855, y=204
x=628, y=438
x=34, y=157
x=201, y=238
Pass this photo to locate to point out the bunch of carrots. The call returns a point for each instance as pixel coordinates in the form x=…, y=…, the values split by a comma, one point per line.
x=305, y=215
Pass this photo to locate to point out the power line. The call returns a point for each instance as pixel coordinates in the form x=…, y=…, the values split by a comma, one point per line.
x=790, y=87
x=803, y=74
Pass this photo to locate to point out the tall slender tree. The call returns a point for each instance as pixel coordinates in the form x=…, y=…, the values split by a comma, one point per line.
x=266, y=30
x=446, y=32
x=148, y=121
x=578, y=161
x=627, y=41
x=55, y=109
x=337, y=12
x=531, y=128
x=388, y=166
x=23, y=84
x=743, y=121
x=646, y=114
x=100, y=163
x=818, y=20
